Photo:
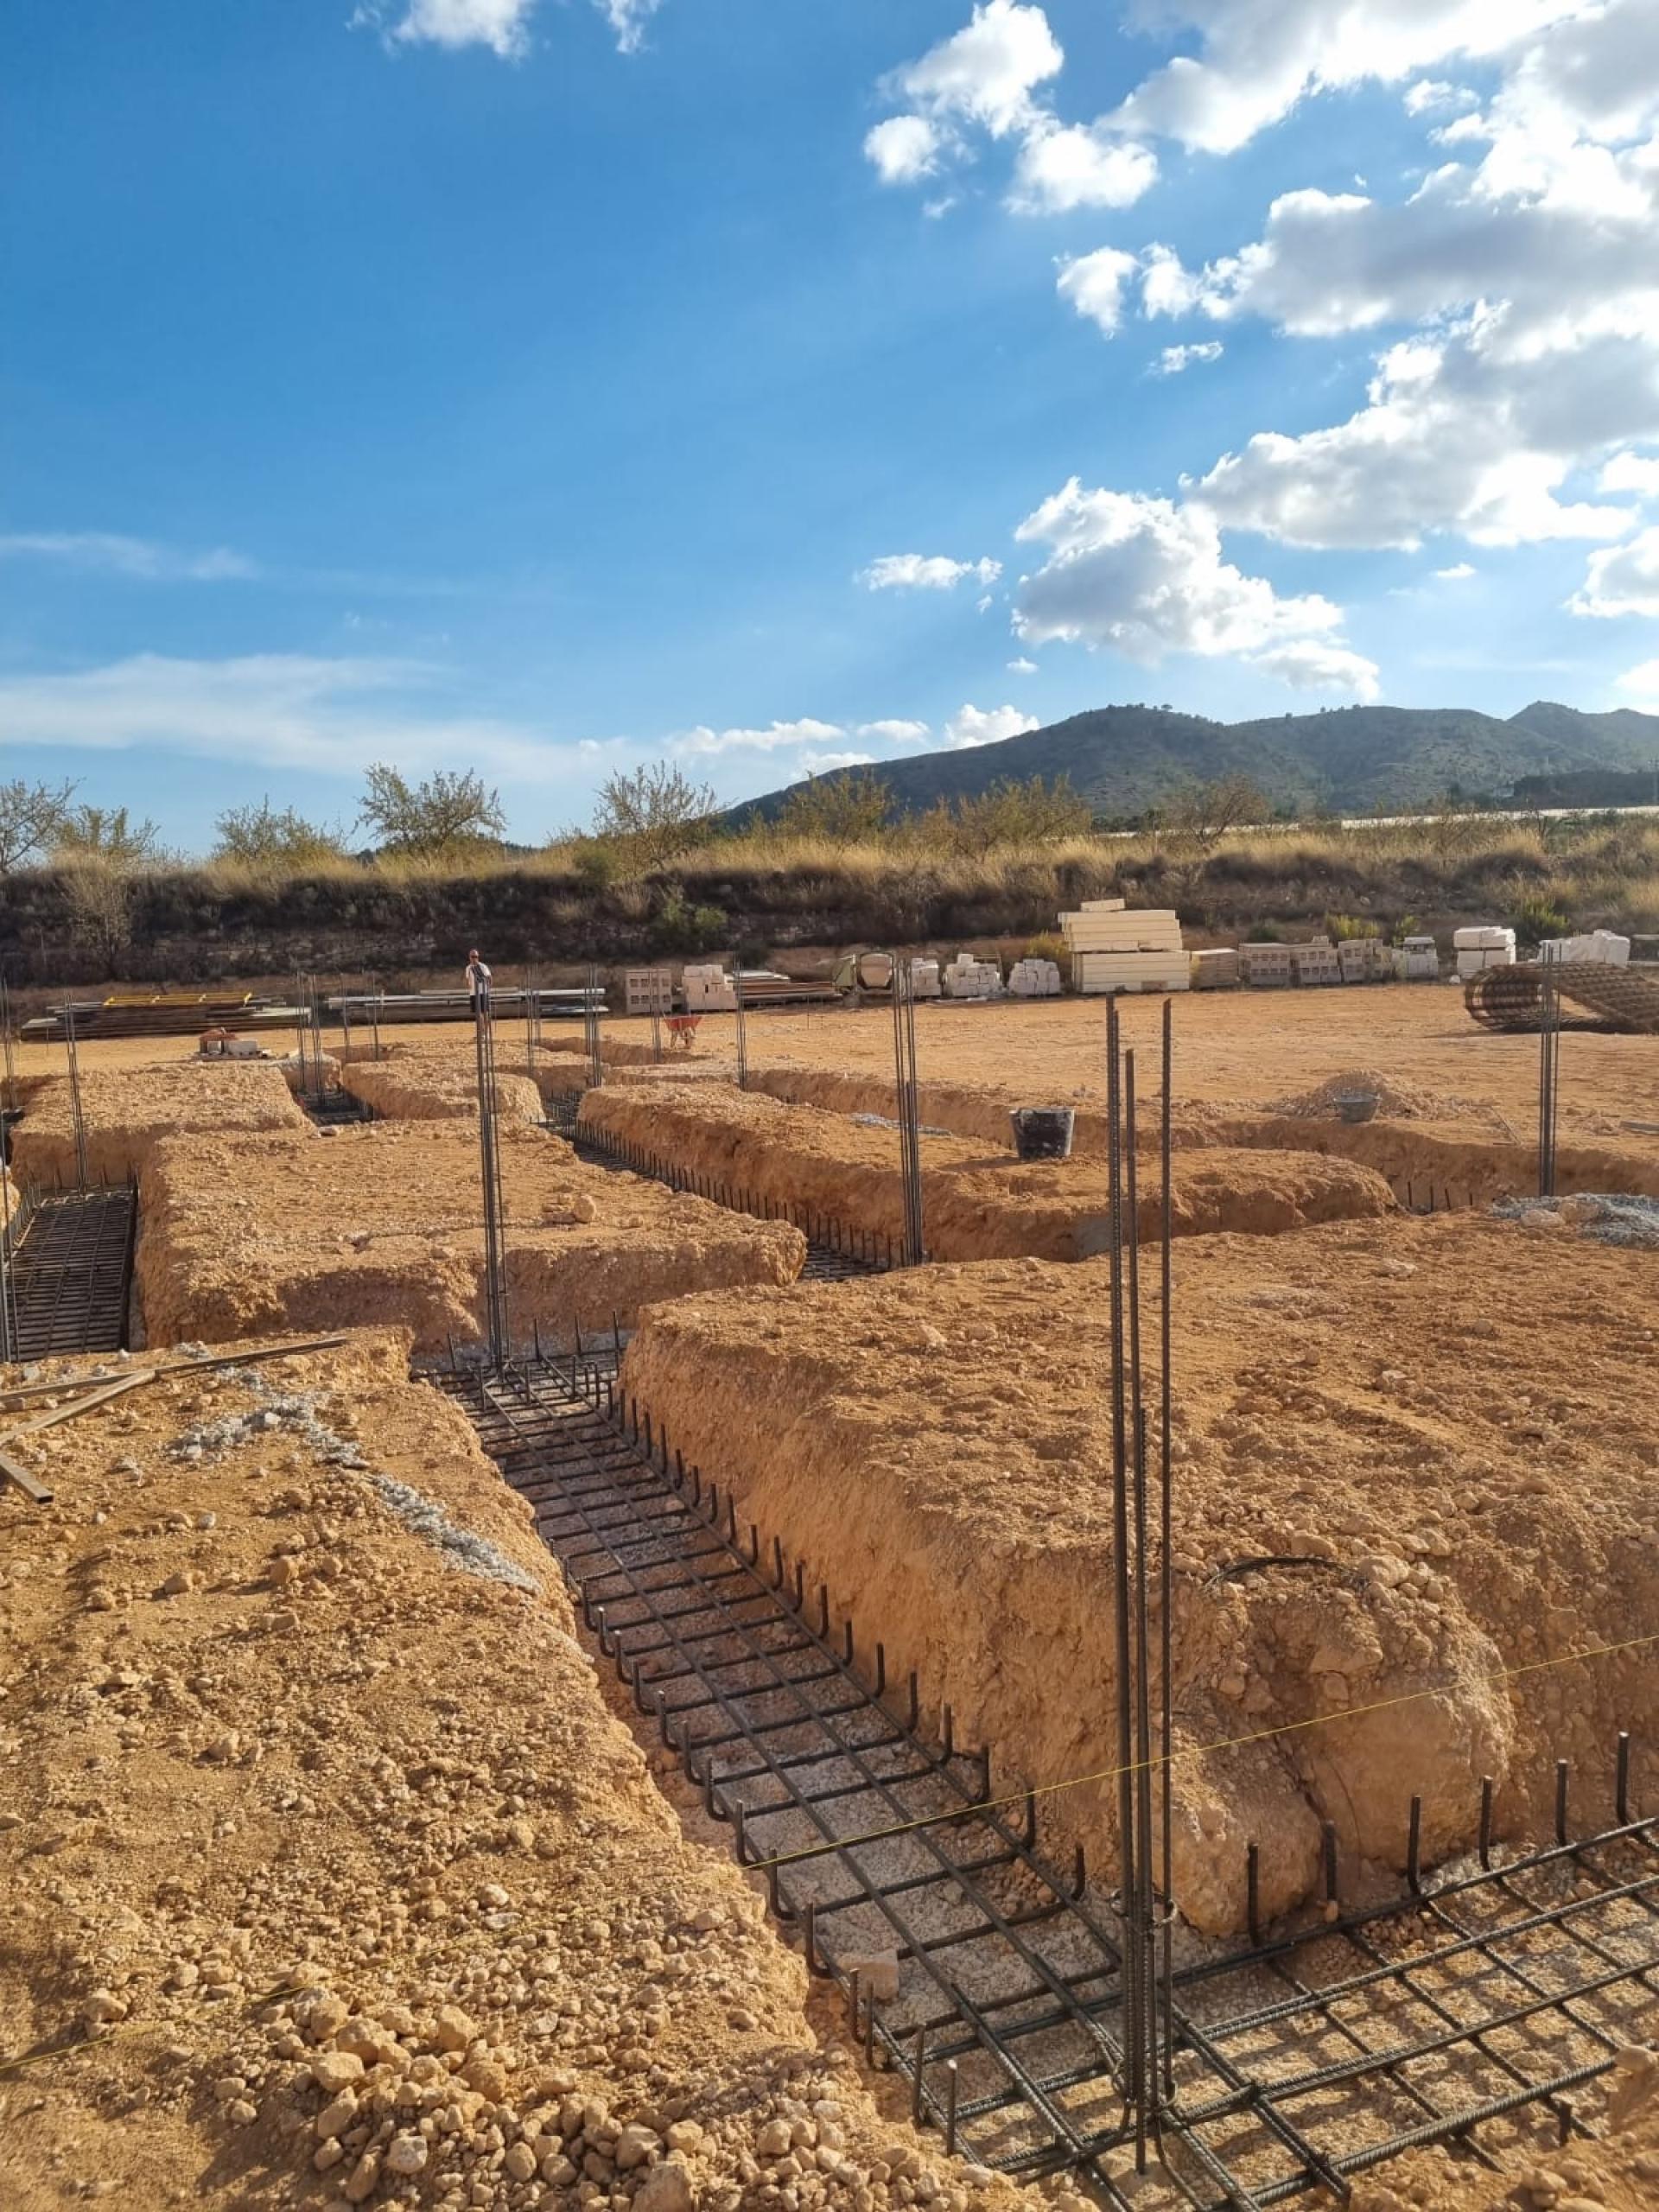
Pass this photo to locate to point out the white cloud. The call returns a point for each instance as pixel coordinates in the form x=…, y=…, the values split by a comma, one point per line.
x=1094, y=283
x=1258, y=57
x=1175, y=359
x=1066, y=165
x=1022, y=667
x=895, y=733
x=988, y=71
x=821, y=764
x=925, y=572
x=773, y=738
x=1147, y=577
x=1631, y=472
x=1459, y=572
x=628, y=18
x=1622, y=580
x=1642, y=685
x=1430, y=94
x=905, y=147
x=501, y=25
x=1313, y=664
x=972, y=726
x=328, y=716
x=126, y=556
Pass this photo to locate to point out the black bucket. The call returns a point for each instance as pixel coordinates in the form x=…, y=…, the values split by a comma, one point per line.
x=1042, y=1132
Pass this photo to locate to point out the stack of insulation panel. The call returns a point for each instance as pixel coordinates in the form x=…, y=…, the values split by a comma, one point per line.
x=1264, y=967
x=1483, y=946
x=1215, y=970
x=1117, y=948
x=1605, y=947
x=1317, y=962
x=1365, y=960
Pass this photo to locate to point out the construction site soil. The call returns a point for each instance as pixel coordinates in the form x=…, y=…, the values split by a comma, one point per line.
x=979, y=1205
x=316, y=1816
x=384, y=1225
x=316, y=1822
x=127, y=1111
x=410, y=1086
x=1391, y=1482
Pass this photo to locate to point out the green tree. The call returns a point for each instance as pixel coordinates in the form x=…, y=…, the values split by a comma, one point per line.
x=278, y=839
x=847, y=809
x=1008, y=813
x=445, y=813
x=101, y=854
x=104, y=837
x=31, y=817
x=1201, y=814
x=653, y=814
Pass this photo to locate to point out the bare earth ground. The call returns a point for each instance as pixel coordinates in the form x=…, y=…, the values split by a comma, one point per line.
x=298, y=1708
x=1457, y=1490
x=332, y=1750
x=127, y=1110
x=979, y=1203
x=384, y=1225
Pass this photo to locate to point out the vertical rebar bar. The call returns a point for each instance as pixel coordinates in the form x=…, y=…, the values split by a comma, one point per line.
x=532, y=1023
x=495, y=1281
x=742, y=1027
x=1122, y=1605
x=1144, y=2071
x=1549, y=1062
x=656, y=1031
x=592, y=1013
x=77, y=1118
x=907, y=1113
x=8, y=1046
x=1165, y=1584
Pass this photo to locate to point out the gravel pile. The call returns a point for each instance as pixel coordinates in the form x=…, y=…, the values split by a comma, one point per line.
x=1606, y=1217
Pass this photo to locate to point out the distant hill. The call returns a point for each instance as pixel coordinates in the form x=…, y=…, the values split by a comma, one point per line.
x=1351, y=760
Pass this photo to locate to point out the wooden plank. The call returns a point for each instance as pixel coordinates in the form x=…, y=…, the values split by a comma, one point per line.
x=139, y=1376
x=287, y=1348
x=35, y=1491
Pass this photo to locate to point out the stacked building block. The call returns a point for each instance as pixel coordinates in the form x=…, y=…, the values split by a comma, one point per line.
x=648, y=990
x=1365, y=960
x=1034, y=979
x=1315, y=963
x=1118, y=947
x=707, y=990
x=925, y=979
x=1418, y=961
x=1215, y=970
x=967, y=978
x=1266, y=967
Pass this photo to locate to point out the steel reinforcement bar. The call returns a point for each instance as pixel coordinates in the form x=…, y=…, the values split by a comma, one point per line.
x=990, y=1981
x=71, y=1270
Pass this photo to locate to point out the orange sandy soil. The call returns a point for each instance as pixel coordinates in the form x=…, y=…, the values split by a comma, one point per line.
x=384, y=1225
x=413, y=1086
x=127, y=1110
x=260, y=1733
x=1463, y=1476
x=1233, y=1049
x=978, y=1205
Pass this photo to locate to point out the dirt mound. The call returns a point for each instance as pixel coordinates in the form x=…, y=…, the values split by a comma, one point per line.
x=1396, y=1101
x=408, y=1090
x=127, y=1112
x=317, y=1819
x=384, y=1225
x=1369, y=1508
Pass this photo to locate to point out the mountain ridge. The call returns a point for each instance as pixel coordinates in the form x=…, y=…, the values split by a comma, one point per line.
x=1125, y=759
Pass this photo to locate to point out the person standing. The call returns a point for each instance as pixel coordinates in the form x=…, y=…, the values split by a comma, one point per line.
x=478, y=981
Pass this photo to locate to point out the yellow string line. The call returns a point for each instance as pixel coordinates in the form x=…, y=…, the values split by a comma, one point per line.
x=1173, y=1758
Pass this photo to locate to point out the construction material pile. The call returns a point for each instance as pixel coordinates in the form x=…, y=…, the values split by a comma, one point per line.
x=383, y=1225
x=1116, y=947
x=1370, y=1526
x=1395, y=1100
x=128, y=1111
x=372, y=1901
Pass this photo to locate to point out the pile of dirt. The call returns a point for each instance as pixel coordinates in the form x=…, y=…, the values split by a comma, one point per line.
x=383, y=1225
x=1389, y=1485
x=330, y=1878
x=976, y=1206
x=403, y=1088
x=1396, y=1101
x=127, y=1112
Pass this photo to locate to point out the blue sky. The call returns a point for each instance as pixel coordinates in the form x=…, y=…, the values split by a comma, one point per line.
x=547, y=386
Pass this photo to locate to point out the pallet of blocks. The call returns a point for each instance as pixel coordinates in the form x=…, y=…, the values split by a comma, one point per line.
x=1216, y=969
x=1034, y=979
x=1365, y=960
x=925, y=979
x=707, y=990
x=967, y=978
x=1264, y=967
x=1482, y=946
x=1315, y=963
x=648, y=990
x=1115, y=947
